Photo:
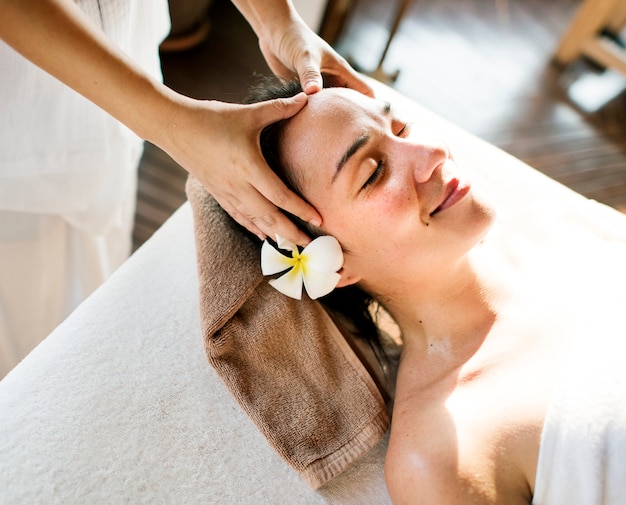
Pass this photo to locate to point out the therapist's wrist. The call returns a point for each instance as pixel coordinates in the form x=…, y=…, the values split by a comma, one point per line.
x=271, y=18
x=188, y=130
x=161, y=115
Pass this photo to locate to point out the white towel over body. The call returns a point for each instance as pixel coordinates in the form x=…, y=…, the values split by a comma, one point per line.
x=582, y=458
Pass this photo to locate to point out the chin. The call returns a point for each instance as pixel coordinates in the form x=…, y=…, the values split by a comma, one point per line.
x=479, y=215
x=485, y=211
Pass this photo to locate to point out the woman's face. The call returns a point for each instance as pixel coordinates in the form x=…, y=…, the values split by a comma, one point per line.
x=393, y=197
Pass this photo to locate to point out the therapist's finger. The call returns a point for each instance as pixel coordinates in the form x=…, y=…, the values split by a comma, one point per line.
x=274, y=195
x=346, y=77
x=265, y=220
x=272, y=111
x=276, y=223
x=272, y=188
x=244, y=221
x=255, y=212
x=309, y=74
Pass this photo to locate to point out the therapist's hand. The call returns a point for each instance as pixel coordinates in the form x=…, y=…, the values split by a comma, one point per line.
x=218, y=143
x=292, y=50
x=297, y=52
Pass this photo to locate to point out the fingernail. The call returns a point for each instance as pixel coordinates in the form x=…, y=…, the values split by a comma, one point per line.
x=312, y=87
x=315, y=222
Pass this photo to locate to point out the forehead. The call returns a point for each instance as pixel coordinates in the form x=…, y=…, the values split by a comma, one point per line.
x=333, y=106
x=318, y=134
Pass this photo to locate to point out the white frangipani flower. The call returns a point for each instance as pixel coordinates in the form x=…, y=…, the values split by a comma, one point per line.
x=316, y=266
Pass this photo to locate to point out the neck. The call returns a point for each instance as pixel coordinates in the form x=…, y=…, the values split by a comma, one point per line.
x=453, y=313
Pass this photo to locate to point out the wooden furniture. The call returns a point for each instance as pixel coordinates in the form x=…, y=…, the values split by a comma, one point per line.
x=589, y=35
x=378, y=73
x=333, y=23
x=334, y=19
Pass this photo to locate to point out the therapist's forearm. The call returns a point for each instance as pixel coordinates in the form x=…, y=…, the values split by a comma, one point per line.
x=56, y=36
x=267, y=16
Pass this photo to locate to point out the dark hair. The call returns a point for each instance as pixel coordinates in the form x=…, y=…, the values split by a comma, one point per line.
x=351, y=306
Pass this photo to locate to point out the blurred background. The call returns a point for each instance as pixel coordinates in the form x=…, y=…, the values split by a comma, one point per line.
x=486, y=65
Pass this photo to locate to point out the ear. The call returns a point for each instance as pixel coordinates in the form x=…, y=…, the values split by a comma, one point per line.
x=347, y=277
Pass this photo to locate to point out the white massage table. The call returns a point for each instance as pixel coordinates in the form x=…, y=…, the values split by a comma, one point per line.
x=118, y=404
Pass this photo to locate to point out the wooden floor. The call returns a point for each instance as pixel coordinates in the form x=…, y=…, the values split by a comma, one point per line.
x=484, y=64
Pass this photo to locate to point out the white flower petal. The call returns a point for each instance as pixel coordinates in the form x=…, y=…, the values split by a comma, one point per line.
x=323, y=255
x=320, y=283
x=272, y=261
x=284, y=244
x=289, y=284
x=316, y=267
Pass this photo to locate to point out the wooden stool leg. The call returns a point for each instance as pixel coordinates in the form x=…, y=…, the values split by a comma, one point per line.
x=334, y=19
x=591, y=17
x=378, y=73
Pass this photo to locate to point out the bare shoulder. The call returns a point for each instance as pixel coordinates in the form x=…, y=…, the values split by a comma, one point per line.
x=475, y=443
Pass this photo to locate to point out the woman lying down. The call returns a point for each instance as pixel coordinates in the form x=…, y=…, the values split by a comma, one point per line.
x=511, y=386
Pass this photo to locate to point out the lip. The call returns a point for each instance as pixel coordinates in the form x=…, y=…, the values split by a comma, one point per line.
x=455, y=190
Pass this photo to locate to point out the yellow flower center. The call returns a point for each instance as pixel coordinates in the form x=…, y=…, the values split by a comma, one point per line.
x=298, y=261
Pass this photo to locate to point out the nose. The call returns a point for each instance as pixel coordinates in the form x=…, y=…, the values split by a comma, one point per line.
x=422, y=157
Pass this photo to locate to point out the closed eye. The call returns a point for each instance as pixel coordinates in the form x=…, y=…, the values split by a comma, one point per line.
x=378, y=172
x=404, y=130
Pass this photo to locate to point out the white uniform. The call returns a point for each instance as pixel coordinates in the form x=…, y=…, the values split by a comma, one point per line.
x=68, y=175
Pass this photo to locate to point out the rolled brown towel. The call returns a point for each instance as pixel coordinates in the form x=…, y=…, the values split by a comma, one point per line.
x=285, y=361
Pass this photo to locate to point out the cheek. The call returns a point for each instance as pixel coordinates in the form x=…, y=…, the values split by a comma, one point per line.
x=393, y=215
x=394, y=200
x=376, y=235
x=375, y=222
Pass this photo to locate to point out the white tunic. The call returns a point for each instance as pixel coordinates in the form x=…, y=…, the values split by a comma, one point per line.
x=68, y=178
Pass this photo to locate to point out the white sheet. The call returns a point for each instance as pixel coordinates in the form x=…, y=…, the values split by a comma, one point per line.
x=119, y=405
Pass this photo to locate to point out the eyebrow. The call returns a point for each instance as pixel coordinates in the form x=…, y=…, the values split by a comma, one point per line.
x=352, y=150
x=358, y=144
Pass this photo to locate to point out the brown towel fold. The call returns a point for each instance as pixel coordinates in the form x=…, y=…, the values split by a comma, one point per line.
x=284, y=360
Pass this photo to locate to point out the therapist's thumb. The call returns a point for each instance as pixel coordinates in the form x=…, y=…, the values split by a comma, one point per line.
x=310, y=77
x=282, y=108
